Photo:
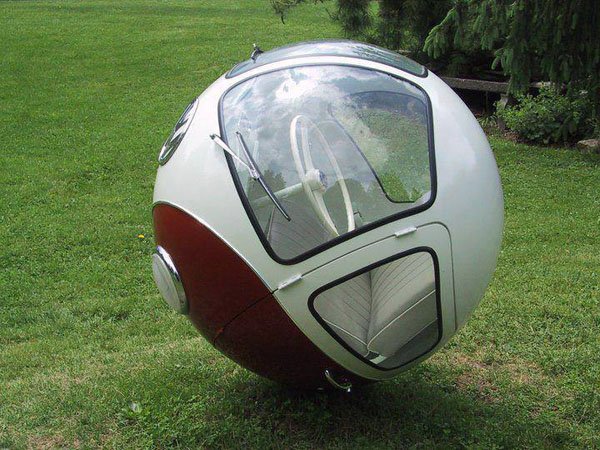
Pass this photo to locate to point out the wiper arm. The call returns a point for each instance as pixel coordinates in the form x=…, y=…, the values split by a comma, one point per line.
x=252, y=168
x=221, y=143
x=258, y=176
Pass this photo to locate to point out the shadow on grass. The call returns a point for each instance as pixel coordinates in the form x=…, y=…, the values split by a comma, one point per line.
x=193, y=397
x=419, y=409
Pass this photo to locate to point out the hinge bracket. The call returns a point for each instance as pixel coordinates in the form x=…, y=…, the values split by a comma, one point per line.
x=405, y=231
x=289, y=281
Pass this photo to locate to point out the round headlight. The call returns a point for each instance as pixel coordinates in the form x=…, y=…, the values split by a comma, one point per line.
x=168, y=281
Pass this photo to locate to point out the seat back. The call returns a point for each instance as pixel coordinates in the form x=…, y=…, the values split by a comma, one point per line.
x=299, y=235
x=346, y=309
x=403, y=302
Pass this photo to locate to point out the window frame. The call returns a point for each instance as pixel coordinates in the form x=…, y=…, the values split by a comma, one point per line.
x=438, y=303
x=349, y=235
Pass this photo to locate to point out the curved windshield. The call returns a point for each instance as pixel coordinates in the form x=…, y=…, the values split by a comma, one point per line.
x=339, y=147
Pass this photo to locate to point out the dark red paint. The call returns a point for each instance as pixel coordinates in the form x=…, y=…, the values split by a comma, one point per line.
x=219, y=285
x=265, y=340
x=235, y=311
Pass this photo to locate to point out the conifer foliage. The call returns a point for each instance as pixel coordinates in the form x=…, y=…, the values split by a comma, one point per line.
x=548, y=40
x=552, y=40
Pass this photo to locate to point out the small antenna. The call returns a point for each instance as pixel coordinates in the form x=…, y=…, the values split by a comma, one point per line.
x=256, y=52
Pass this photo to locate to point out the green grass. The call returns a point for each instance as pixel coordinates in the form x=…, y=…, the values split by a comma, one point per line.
x=90, y=355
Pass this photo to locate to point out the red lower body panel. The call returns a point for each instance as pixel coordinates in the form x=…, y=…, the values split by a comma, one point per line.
x=218, y=284
x=265, y=340
x=234, y=310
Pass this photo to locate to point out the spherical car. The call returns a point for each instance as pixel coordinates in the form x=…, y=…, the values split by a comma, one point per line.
x=327, y=214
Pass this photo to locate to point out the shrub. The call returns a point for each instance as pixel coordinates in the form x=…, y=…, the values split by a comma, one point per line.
x=549, y=117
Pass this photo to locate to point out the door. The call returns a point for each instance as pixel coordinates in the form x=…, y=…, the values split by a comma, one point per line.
x=380, y=308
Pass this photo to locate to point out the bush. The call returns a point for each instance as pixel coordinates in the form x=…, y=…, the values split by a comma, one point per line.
x=549, y=117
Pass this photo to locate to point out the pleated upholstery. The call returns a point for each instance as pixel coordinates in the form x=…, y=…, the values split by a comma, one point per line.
x=346, y=308
x=402, y=328
x=299, y=235
x=376, y=312
x=403, y=302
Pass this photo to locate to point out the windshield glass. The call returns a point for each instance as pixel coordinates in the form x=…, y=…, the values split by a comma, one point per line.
x=340, y=147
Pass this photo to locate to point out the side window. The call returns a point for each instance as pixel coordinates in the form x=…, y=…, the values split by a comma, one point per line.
x=391, y=131
x=334, y=149
x=388, y=315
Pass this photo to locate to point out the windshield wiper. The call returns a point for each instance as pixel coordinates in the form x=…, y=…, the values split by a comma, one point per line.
x=221, y=143
x=253, y=169
x=258, y=176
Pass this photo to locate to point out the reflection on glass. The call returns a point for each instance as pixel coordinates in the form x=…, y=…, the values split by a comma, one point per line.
x=332, y=48
x=387, y=315
x=340, y=147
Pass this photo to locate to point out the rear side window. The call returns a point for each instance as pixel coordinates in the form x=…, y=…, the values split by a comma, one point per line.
x=388, y=315
x=341, y=148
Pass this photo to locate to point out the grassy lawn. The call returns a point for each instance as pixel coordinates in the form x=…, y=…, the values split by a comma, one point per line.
x=91, y=356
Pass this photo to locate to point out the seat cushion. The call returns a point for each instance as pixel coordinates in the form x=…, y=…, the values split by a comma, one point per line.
x=403, y=328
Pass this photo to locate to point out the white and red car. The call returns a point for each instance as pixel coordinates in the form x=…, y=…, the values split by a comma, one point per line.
x=327, y=213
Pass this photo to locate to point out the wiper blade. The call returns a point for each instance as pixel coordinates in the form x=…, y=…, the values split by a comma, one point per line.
x=250, y=164
x=258, y=176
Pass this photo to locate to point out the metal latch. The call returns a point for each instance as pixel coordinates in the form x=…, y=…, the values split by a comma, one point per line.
x=405, y=231
x=289, y=281
x=344, y=386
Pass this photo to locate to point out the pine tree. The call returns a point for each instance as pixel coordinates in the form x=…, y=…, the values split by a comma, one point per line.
x=554, y=40
x=549, y=40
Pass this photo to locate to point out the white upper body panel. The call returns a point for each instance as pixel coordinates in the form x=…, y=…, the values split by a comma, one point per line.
x=468, y=196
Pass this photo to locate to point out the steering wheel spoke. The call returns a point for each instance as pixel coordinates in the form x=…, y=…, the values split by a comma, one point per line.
x=313, y=180
x=327, y=218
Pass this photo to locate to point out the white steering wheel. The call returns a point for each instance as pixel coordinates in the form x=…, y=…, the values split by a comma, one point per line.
x=313, y=180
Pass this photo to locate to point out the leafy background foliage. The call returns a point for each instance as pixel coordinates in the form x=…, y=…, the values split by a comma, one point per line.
x=549, y=117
